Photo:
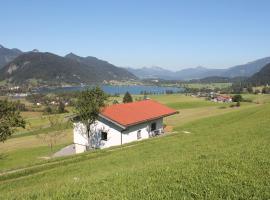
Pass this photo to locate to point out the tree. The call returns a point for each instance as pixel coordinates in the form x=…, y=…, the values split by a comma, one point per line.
x=55, y=132
x=115, y=101
x=250, y=89
x=237, y=98
x=48, y=110
x=237, y=88
x=266, y=90
x=257, y=91
x=127, y=98
x=10, y=119
x=61, y=107
x=89, y=104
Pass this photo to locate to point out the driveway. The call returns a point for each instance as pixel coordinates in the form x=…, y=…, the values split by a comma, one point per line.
x=66, y=151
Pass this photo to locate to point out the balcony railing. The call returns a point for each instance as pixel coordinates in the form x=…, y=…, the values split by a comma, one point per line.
x=157, y=132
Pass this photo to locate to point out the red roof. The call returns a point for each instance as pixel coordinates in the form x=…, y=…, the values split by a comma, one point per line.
x=224, y=97
x=129, y=114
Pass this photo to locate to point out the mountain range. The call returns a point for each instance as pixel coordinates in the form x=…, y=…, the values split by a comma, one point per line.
x=51, y=69
x=19, y=67
x=245, y=70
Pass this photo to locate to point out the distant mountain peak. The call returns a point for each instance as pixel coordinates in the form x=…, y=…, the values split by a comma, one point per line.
x=35, y=50
x=1, y=46
x=71, y=54
x=200, y=67
x=157, y=68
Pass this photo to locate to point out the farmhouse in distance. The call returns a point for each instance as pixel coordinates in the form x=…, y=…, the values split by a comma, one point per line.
x=123, y=123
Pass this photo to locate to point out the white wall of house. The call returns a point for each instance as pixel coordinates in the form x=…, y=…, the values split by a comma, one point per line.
x=131, y=133
x=115, y=134
x=79, y=137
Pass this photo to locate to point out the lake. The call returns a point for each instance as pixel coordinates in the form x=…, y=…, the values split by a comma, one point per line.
x=132, y=89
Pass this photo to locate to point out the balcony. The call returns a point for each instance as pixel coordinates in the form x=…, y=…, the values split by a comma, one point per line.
x=157, y=132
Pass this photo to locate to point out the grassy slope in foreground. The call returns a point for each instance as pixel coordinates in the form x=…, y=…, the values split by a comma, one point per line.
x=226, y=156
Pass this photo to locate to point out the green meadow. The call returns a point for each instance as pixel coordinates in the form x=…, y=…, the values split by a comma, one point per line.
x=213, y=152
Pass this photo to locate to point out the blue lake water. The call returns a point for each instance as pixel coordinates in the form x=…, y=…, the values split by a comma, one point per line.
x=132, y=89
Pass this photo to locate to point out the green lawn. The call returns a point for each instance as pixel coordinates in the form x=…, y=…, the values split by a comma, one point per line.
x=260, y=98
x=25, y=150
x=192, y=104
x=37, y=123
x=174, y=98
x=190, y=108
x=220, y=157
x=16, y=149
x=20, y=158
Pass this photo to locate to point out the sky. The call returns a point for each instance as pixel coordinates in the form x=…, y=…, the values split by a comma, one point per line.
x=172, y=34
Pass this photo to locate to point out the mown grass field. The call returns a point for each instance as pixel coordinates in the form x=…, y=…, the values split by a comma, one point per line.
x=26, y=148
x=211, y=158
x=190, y=108
x=36, y=122
x=214, y=153
x=16, y=152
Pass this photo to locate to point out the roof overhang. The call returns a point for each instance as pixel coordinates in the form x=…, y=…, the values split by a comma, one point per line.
x=138, y=122
x=112, y=121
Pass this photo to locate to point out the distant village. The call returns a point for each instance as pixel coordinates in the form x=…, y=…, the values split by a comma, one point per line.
x=215, y=97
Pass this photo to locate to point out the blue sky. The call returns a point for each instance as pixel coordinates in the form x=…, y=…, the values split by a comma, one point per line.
x=171, y=34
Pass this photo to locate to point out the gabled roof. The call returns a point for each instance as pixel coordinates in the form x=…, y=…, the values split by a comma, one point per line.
x=130, y=114
x=224, y=97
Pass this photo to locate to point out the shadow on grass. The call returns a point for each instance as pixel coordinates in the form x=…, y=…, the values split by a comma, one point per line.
x=3, y=156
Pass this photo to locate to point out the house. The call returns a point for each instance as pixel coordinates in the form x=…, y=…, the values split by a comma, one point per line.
x=123, y=123
x=222, y=99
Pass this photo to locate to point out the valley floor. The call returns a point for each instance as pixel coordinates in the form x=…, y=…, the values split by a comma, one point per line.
x=214, y=152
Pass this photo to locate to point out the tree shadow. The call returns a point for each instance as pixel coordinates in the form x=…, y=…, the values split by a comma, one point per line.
x=3, y=156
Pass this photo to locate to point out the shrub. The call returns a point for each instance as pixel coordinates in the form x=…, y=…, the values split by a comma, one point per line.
x=48, y=110
x=257, y=91
x=222, y=107
x=237, y=98
x=61, y=107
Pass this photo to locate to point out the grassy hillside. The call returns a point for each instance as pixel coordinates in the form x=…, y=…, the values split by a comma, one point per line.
x=24, y=148
x=221, y=157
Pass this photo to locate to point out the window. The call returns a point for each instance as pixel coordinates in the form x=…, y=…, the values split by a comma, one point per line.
x=139, y=136
x=153, y=126
x=104, y=136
